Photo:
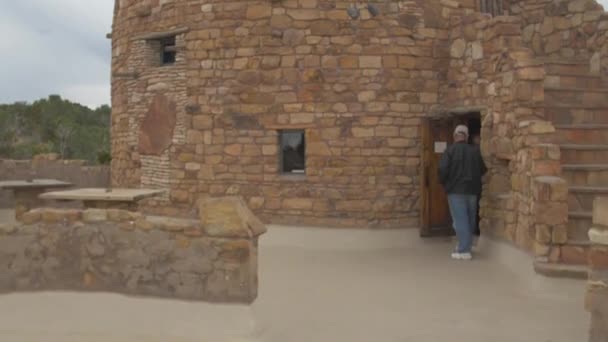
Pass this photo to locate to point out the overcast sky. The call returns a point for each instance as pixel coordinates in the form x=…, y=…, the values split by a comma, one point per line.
x=57, y=47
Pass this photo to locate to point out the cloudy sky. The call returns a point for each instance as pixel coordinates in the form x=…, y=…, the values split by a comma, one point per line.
x=55, y=47
x=58, y=47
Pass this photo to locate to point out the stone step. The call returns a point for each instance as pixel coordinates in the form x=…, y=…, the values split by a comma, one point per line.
x=581, y=134
x=583, y=153
x=579, y=223
x=589, y=98
x=571, y=114
x=580, y=198
x=561, y=270
x=585, y=174
x=575, y=81
x=567, y=67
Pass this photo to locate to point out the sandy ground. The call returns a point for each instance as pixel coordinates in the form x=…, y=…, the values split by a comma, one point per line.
x=332, y=285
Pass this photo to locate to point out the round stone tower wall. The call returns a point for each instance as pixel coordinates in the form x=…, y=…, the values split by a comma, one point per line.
x=356, y=81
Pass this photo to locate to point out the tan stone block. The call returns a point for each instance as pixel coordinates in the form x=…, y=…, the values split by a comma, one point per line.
x=192, y=166
x=280, y=21
x=31, y=217
x=366, y=96
x=428, y=98
x=304, y=14
x=329, y=61
x=119, y=215
x=235, y=251
x=324, y=28
x=298, y=203
x=543, y=234
x=349, y=62
x=387, y=131
x=353, y=205
x=60, y=215
x=541, y=249
x=370, y=62
x=259, y=11
x=180, y=196
x=362, y=132
x=94, y=215
x=194, y=137
x=270, y=150
x=143, y=224
x=308, y=3
x=318, y=148
x=407, y=62
x=229, y=217
x=458, y=48
x=559, y=234
x=234, y=149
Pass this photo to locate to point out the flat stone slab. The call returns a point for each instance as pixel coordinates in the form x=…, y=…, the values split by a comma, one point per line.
x=34, y=184
x=101, y=194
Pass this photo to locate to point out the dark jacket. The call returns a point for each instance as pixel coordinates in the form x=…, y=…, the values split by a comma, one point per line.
x=461, y=168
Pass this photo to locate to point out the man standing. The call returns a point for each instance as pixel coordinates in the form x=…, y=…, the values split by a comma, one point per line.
x=460, y=171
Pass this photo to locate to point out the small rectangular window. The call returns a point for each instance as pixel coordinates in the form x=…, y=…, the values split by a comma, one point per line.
x=168, y=50
x=293, y=151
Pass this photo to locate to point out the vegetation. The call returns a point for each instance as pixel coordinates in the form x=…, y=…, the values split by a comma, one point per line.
x=55, y=125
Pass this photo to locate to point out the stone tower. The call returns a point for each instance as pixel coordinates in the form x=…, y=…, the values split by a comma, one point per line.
x=207, y=96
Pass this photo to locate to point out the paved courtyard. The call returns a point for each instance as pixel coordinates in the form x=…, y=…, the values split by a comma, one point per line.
x=331, y=285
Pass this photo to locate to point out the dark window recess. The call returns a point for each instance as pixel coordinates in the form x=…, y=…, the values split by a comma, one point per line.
x=168, y=51
x=293, y=152
x=493, y=7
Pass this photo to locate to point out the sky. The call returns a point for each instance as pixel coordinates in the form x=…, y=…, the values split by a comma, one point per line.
x=55, y=47
x=58, y=47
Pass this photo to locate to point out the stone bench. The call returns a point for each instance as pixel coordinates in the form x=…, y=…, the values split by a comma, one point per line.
x=104, y=198
x=213, y=258
x=27, y=192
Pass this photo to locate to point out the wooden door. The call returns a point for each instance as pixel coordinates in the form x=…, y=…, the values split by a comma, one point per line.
x=435, y=213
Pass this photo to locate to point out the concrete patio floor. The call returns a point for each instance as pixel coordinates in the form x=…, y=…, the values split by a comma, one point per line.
x=332, y=285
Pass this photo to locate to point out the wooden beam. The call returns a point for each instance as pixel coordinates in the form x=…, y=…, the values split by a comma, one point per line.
x=162, y=34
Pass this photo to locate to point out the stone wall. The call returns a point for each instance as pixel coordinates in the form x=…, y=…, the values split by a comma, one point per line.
x=597, y=290
x=45, y=166
x=565, y=29
x=212, y=259
x=247, y=69
x=492, y=72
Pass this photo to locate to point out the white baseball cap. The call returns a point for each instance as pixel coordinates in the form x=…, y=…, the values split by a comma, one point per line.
x=461, y=129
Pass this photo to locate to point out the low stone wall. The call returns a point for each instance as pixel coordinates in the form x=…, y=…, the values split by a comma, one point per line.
x=597, y=289
x=212, y=259
x=48, y=166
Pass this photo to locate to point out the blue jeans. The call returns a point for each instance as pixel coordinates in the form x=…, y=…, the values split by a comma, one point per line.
x=463, y=209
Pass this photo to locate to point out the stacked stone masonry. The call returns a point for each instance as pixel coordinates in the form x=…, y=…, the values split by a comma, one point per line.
x=360, y=89
x=247, y=69
x=211, y=259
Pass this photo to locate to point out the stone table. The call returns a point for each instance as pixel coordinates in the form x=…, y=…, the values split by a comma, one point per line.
x=101, y=198
x=27, y=192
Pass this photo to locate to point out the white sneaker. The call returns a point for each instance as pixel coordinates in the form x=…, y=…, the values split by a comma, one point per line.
x=462, y=256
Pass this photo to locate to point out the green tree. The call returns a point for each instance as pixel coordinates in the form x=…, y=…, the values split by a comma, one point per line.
x=54, y=125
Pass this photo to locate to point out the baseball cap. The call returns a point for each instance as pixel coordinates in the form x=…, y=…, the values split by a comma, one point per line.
x=461, y=129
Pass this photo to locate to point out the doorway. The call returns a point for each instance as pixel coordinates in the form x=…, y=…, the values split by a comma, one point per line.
x=436, y=137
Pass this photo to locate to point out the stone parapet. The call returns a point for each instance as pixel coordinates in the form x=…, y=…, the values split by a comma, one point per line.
x=127, y=252
x=596, y=300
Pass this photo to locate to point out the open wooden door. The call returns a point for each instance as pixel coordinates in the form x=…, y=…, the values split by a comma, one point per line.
x=435, y=212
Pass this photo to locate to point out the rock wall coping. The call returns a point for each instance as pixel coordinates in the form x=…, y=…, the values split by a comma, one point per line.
x=128, y=252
